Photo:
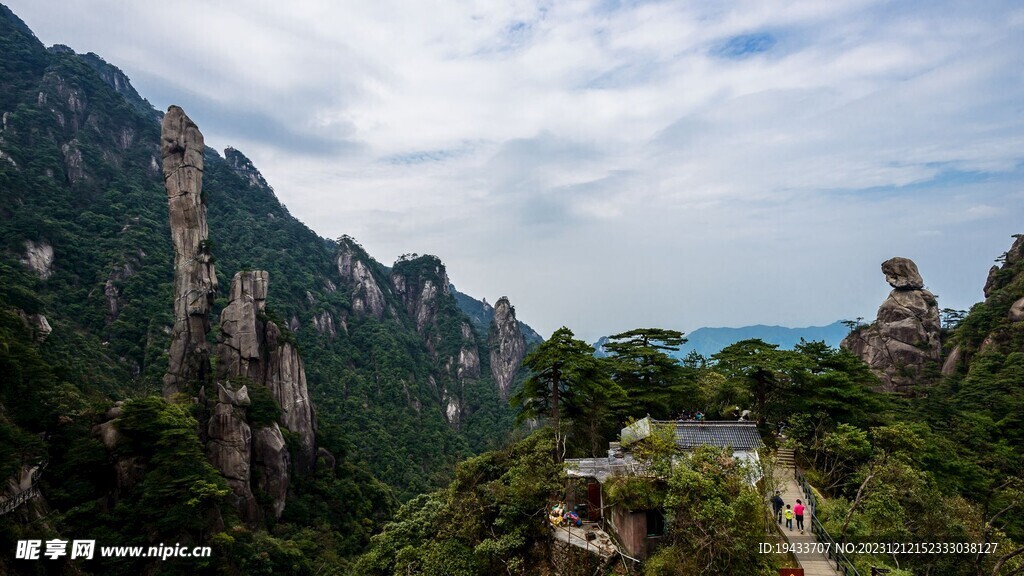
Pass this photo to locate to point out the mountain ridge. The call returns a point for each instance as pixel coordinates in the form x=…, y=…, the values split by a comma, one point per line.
x=709, y=340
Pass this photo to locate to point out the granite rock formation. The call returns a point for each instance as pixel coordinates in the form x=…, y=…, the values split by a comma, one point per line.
x=270, y=465
x=1004, y=296
x=904, y=339
x=252, y=346
x=195, y=283
x=507, y=344
x=39, y=258
x=229, y=447
x=367, y=296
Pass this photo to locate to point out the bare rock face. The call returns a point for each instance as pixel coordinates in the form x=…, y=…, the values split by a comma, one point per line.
x=39, y=258
x=324, y=324
x=238, y=352
x=902, y=273
x=270, y=465
x=1016, y=313
x=38, y=324
x=904, y=339
x=195, y=283
x=229, y=448
x=367, y=297
x=420, y=282
x=953, y=362
x=253, y=347
x=507, y=344
x=286, y=378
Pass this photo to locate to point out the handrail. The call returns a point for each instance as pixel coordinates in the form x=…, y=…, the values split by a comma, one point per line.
x=833, y=550
x=8, y=505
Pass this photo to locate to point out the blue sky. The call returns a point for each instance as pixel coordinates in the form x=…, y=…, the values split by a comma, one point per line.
x=609, y=165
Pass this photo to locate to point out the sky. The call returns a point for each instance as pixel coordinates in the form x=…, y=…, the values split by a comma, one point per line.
x=609, y=165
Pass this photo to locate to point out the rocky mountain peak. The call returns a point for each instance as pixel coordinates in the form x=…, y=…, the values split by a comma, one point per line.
x=904, y=338
x=419, y=281
x=507, y=344
x=355, y=270
x=244, y=167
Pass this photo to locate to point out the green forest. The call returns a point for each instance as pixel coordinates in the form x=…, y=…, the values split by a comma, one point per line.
x=423, y=468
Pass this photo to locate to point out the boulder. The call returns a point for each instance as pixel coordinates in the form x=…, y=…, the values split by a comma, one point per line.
x=1016, y=312
x=902, y=273
x=904, y=338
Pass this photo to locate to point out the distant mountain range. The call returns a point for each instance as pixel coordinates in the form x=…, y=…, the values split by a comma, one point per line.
x=708, y=341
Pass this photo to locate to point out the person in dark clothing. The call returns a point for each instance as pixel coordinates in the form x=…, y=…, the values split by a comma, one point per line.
x=777, y=505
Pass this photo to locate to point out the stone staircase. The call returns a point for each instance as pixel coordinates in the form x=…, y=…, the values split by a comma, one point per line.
x=785, y=459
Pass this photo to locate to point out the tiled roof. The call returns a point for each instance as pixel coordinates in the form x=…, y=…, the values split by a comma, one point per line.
x=738, y=435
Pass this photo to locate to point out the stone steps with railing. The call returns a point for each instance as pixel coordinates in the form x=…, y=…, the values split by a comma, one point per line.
x=11, y=504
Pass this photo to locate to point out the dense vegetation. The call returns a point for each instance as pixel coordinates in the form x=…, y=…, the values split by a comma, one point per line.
x=79, y=174
x=943, y=467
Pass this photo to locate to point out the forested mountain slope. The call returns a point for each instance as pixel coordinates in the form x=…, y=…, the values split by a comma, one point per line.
x=401, y=384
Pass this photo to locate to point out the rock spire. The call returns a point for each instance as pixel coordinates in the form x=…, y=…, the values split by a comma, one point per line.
x=507, y=344
x=195, y=283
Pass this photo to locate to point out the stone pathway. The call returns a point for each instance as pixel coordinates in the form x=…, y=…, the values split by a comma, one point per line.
x=814, y=564
x=599, y=543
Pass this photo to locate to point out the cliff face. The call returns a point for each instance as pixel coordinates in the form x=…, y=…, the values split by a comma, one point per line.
x=195, y=283
x=421, y=286
x=905, y=338
x=420, y=283
x=356, y=273
x=252, y=347
x=995, y=324
x=507, y=344
x=229, y=447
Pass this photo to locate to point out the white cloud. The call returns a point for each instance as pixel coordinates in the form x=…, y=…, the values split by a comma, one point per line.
x=612, y=165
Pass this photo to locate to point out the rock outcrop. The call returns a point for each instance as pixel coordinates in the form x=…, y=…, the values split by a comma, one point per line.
x=1004, y=308
x=1000, y=277
x=241, y=330
x=270, y=465
x=229, y=447
x=195, y=283
x=507, y=344
x=286, y=378
x=253, y=347
x=39, y=258
x=367, y=296
x=904, y=340
x=241, y=165
x=38, y=324
x=419, y=283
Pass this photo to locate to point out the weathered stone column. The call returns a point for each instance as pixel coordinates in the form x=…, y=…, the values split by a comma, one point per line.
x=195, y=283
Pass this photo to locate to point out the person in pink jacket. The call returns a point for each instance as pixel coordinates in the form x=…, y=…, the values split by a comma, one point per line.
x=798, y=511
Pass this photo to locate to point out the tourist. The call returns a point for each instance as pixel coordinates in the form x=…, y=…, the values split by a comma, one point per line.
x=777, y=505
x=799, y=511
x=789, y=518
